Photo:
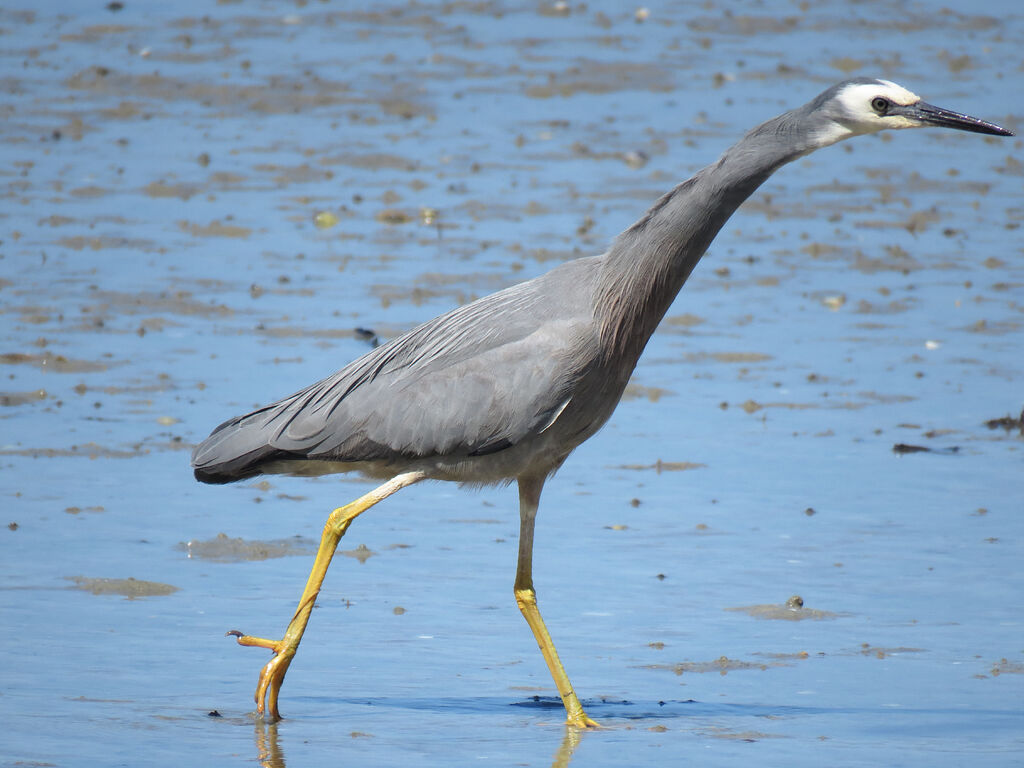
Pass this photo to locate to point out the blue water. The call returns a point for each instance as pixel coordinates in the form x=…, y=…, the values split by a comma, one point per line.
x=160, y=271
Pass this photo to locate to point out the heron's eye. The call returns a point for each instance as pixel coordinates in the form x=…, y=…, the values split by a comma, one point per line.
x=880, y=105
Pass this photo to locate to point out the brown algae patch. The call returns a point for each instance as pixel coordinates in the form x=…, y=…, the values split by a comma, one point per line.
x=51, y=362
x=723, y=665
x=791, y=610
x=727, y=357
x=178, y=302
x=76, y=510
x=590, y=76
x=222, y=548
x=664, y=466
x=866, y=649
x=684, y=321
x=749, y=736
x=278, y=98
x=362, y=553
x=105, y=242
x=130, y=588
x=752, y=406
x=22, y=398
x=1006, y=667
x=163, y=189
x=86, y=450
x=214, y=229
x=639, y=392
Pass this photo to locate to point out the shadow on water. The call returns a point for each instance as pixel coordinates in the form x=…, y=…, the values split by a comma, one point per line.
x=271, y=755
x=271, y=752
x=273, y=740
x=613, y=714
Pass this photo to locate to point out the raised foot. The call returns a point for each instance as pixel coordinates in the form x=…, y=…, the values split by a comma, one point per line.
x=271, y=678
x=256, y=642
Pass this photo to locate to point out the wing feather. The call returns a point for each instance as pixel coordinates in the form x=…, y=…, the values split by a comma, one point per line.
x=472, y=381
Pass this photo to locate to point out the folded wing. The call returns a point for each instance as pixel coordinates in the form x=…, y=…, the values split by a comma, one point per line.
x=474, y=381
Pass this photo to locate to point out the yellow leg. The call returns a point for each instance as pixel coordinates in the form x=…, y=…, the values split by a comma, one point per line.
x=526, y=599
x=272, y=675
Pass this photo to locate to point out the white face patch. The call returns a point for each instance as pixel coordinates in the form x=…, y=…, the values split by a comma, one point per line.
x=855, y=100
x=896, y=93
x=853, y=114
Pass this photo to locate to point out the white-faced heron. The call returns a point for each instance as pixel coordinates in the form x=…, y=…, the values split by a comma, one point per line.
x=504, y=388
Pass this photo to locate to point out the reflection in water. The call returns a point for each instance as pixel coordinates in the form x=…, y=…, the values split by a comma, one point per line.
x=270, y=754
x=570, y=741
x=268, y=749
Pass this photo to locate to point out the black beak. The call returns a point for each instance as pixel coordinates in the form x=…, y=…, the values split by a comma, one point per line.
x=943, y=118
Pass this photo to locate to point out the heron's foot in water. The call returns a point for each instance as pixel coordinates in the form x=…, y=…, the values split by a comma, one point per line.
x=582, y=721
x=271, y=678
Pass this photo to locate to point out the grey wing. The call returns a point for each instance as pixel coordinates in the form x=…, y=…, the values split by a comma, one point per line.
x=473, y=381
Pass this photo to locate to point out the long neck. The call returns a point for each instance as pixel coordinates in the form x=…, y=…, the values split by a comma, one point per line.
x=647, y=264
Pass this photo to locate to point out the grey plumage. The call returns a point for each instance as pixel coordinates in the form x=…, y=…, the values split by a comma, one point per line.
x=542, y=363
x=538, y=366
x=505, y=388
x=471, y=383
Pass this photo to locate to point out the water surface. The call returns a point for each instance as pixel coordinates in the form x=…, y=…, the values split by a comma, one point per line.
x=210, y=205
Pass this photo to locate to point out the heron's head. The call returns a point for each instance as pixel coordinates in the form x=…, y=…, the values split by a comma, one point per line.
x=860, y=106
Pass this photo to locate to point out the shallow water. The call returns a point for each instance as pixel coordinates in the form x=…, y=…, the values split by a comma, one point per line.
x=166, y=263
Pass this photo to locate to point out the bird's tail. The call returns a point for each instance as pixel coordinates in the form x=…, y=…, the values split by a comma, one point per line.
x=235, y=450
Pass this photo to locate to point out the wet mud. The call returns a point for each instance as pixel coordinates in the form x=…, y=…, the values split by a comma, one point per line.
x=225, y=549
x=130, y=588
x=209, y=205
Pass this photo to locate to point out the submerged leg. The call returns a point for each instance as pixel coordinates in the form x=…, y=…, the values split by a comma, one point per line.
x=526, y=599
x=272, y=675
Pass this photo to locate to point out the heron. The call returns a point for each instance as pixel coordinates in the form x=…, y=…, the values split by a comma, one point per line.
x=504, y=388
